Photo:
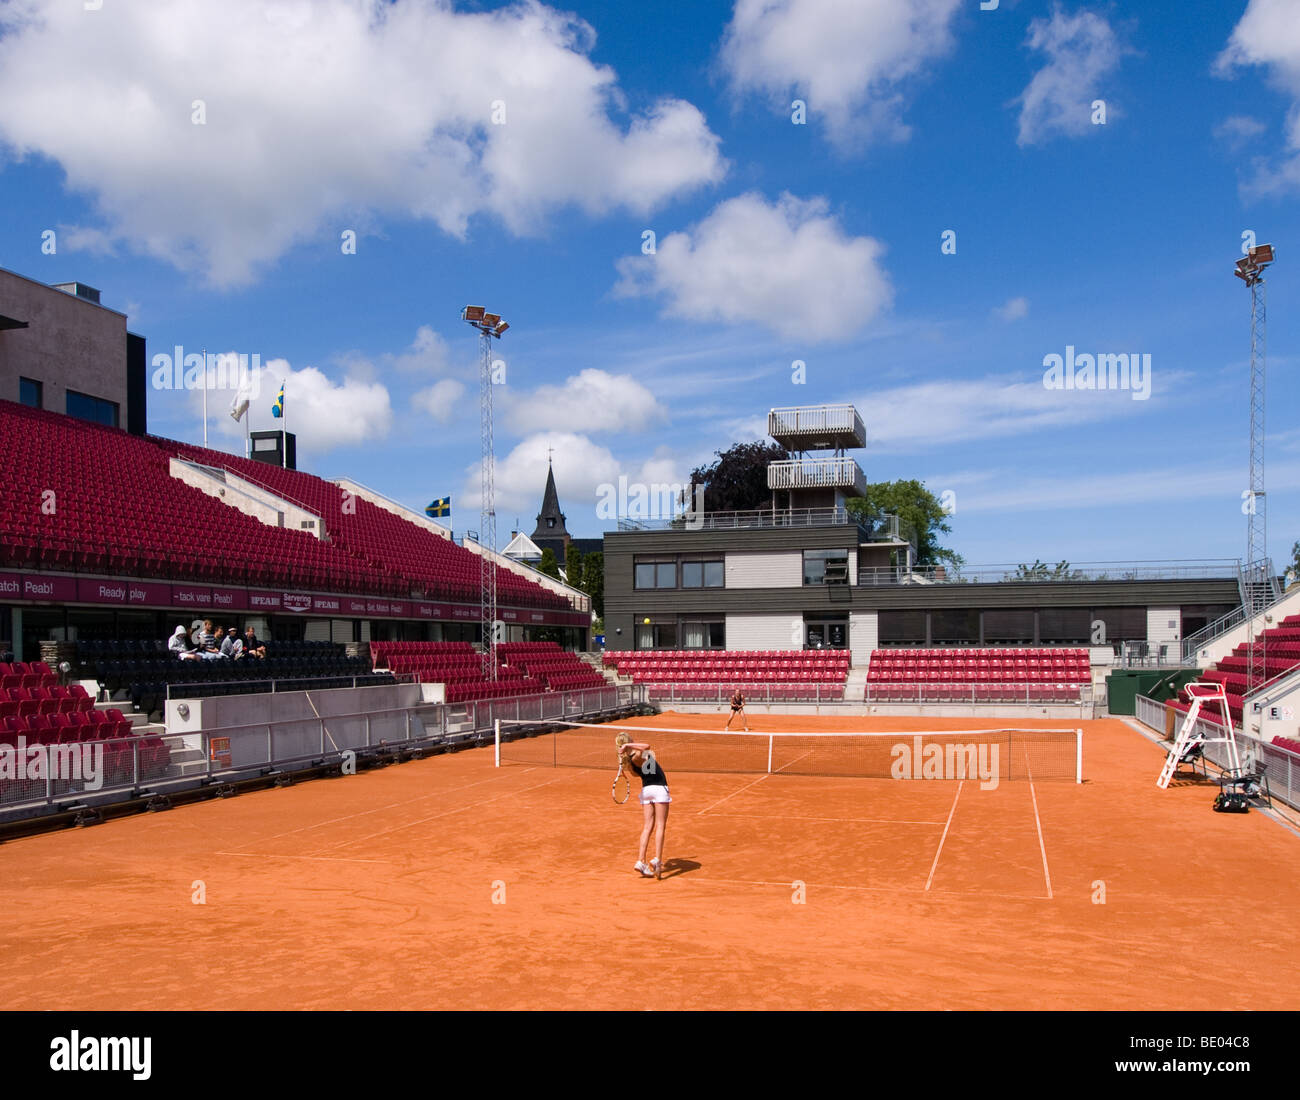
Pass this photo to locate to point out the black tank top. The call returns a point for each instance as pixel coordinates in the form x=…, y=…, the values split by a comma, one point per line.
x=652, y=775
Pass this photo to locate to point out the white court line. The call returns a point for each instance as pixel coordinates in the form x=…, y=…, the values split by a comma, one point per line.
x=733, y=794
x=961, y=783
x=794, y=761
x=445, y=813
x=1039, y=826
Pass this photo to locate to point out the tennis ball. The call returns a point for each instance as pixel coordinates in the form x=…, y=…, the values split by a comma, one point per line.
x=647, y=621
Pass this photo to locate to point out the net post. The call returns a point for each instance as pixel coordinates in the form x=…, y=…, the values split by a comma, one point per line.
x=770, y=739
x=1078, y=755
x=496, y=739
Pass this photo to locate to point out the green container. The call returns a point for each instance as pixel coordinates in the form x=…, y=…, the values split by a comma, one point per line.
x=1123, y=687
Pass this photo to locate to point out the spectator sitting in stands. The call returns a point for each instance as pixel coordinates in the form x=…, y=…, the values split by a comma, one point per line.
x=232, y=646
x=253, y=646
x=209, y=649
x=180, y=645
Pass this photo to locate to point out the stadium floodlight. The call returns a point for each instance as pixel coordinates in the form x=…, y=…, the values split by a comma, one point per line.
x=489, y=327
x=1262, y=254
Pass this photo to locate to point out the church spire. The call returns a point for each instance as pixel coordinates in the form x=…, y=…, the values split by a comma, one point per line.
x=550, y=520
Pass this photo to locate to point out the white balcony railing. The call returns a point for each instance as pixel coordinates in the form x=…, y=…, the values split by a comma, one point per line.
x=817, y=473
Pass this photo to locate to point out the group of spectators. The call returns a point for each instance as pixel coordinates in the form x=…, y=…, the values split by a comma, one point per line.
x=206, y=642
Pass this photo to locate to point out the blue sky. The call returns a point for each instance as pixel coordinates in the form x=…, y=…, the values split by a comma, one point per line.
x=776, y=242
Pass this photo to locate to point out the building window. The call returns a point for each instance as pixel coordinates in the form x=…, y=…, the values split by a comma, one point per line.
x=826, y=632
x=960, y=626
x=825, y=567
x=702, y=574
x=1120, y=624
x=31, y=393
x=902, y=628
x=1064, y=626
x=94, y=409
x=704, y=634
x=655, y=634
x=1010, y=627
x=656, y=573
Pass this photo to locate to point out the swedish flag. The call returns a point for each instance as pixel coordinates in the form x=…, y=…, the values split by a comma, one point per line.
x=277, y=410
x=439, y=508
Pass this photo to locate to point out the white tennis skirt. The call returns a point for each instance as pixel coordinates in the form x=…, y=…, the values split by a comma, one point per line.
x=655, y=793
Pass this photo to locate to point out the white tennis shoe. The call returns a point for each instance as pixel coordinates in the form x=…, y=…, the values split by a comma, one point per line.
x=639, y=866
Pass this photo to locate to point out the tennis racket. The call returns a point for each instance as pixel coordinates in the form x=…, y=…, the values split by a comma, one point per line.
x=627, y=786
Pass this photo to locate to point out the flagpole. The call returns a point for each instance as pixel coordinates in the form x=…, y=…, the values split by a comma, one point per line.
x=284, y=426
x=205, y=397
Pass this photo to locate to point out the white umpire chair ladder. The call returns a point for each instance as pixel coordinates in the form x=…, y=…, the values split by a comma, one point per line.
x=1201, y=693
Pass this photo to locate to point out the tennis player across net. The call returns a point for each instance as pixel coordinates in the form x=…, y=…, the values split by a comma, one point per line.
x=987, y=754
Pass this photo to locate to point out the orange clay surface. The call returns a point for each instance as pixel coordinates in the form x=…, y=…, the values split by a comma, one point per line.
x=376, y=891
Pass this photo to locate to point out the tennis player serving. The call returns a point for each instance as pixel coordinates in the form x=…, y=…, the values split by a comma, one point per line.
x=654, y=801
x=737, y=707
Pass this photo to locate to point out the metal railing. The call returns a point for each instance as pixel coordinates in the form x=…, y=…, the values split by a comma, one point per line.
x=816, y=420
x=720, y=694
x=817, y=473
x=1212, y=569
x=1283, y=766
x=1023, y=694
x=759, y=517
x=157, y=763
x=197, y=689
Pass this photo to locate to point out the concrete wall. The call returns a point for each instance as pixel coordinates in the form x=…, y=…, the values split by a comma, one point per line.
x=764, y=631
x=763, y=569
x=69, y=343
x=864, y=635
x=252, y=500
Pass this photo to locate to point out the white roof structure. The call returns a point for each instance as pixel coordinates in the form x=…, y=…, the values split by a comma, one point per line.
x=522, y=548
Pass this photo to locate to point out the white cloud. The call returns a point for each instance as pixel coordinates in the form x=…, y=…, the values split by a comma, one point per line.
x=1268, y=34
x=581, y=467
x=607, y=402
x=848, y=61
x=1081, y=50
x=911, y=419
x=787, y=266
x=1014, y=309
x=321, y=412
x=1236, y=130
x=439, y=400
x=321, y=115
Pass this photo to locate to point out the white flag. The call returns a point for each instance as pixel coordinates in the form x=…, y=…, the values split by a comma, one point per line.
x=242, y=396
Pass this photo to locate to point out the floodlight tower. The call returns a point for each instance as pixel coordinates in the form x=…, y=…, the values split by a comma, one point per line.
x=490, y=327
x=1250, y=270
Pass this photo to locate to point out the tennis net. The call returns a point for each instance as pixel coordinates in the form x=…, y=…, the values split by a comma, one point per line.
x=987, y=754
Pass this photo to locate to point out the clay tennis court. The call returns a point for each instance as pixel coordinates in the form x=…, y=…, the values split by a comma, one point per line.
x=447, y=883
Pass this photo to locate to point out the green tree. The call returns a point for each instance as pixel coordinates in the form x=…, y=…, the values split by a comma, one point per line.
x=922, y=519
x=573, y=567
x=1041, y=571
x=593, y=580
x=548, y=564
x=1294, y=568
x=737, y=482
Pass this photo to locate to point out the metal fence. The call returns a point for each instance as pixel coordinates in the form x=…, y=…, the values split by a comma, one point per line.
x=85, y=772
x=1030, y=694
x=1063, y=573
x=1283, y=766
